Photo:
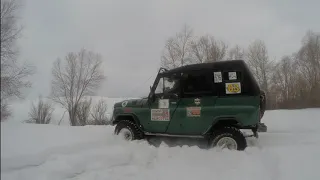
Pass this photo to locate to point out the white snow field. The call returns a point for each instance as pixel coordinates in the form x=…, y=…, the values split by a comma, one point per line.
x=290, y=150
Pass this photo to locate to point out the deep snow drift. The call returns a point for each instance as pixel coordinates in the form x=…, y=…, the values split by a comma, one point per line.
x=290, y=150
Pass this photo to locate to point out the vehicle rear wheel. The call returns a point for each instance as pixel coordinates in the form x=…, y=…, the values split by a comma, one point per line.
x=228, y=137
x=128, y=130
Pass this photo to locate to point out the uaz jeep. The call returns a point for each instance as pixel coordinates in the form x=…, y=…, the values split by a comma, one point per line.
x=208, y=100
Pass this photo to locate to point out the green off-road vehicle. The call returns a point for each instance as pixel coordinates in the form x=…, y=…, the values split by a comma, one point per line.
x=208, y=100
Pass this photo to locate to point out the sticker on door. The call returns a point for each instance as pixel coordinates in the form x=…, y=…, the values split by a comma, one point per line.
x=160, y=115
x=193, y=111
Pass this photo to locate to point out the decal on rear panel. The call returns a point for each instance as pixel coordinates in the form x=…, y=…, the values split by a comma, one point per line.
x=232, y=75
x=233, y=88
x=193, y=111
x=217, y=77
x=160, y=115
x=124, y=103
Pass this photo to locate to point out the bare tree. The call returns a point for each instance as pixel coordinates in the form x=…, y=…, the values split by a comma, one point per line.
x=40, y=113
x=176, y=52
x=99, y=113
x=13, y=74
x=295, y=80
x=309, y=61
x=83, y=112
x=283, y=80
x=13, y=80
x=260, y=64
x=236, y=53
x=80, y=76
x=207, y=49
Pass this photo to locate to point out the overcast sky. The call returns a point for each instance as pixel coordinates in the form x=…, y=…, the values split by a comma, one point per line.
x=130, y=34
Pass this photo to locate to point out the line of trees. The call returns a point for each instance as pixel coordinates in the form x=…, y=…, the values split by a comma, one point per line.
x=75, y=77
x=290, y=82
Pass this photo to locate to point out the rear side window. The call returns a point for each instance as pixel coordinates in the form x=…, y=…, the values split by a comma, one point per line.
x=197, y=84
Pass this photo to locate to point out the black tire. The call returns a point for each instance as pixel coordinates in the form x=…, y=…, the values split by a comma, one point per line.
x=131, y=126
x=230, y=132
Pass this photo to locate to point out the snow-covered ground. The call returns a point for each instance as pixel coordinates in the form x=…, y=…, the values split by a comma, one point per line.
x=290, y=150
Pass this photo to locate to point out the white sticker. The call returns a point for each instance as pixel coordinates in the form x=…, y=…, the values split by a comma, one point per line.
x=163, y=103
x=160, y=115
x=217, y=77
x=233, y=88
x=232, y=75
x=124, y=103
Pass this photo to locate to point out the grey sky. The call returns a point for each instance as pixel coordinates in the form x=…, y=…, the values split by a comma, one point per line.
x=130, y=35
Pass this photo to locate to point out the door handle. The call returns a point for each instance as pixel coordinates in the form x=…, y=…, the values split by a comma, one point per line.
x=173, y=102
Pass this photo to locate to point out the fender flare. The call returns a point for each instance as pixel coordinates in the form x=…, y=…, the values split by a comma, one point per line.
x=120, y=117
x=221, y=121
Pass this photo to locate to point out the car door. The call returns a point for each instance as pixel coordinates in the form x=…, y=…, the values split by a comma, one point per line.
x=163, y=106
x=195, y=110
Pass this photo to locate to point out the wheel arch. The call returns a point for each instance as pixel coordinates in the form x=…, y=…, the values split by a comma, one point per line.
x=219, y=122
x=130, y=117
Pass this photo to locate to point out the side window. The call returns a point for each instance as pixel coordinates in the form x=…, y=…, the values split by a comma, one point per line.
x=168, y=85
x=196, y=84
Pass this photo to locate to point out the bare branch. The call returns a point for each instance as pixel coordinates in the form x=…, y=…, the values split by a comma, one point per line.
x=99, y=113
x=259, y=62
x=10, y=31
x=13, y=74
x=83, y=112
x=177, y=50
x=236, y=53
x=207, y=49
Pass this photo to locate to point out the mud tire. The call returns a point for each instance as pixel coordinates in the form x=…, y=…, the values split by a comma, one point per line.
x=130, y=126
x=230, y=133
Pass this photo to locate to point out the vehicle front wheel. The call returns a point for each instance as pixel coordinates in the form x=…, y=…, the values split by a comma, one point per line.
x=228, y=137
x=128, y=130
